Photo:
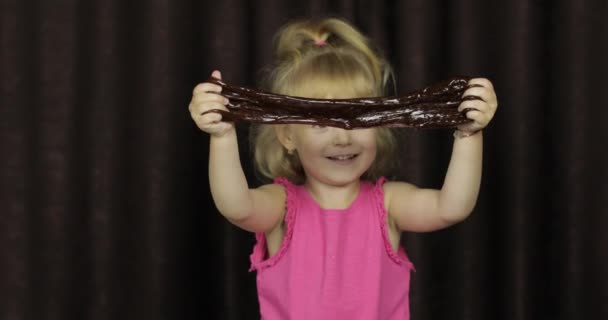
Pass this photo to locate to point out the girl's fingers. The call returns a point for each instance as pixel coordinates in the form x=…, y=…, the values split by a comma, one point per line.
x=471, y=104
x=475, y=115
x=206, y=87
x=483, y=89
x=209, y=97
x=215, y=128
x=205, y=97
x=210, y=118
x=198, y=108
x=482, y=82
x=481, y=111
x=482, y=93
x=480, y=120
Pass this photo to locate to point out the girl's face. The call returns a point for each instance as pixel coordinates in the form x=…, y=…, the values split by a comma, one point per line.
x=331, y=155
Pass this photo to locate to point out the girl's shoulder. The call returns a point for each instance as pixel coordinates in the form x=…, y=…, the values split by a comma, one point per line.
x=391, y=188
x=279, y=188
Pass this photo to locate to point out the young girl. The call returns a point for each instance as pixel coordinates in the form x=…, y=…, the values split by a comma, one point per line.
x=328, y=229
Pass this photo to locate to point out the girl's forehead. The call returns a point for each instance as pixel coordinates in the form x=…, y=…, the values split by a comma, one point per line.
x=331, y=91
x=321, y=86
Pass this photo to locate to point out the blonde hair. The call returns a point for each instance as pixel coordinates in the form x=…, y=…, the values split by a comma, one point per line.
x=314, y=59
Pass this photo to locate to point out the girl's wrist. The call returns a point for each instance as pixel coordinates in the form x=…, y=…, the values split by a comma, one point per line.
x=460, y=134
x=227, y=136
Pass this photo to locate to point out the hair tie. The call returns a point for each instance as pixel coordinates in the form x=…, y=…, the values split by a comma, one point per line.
x=320, y=43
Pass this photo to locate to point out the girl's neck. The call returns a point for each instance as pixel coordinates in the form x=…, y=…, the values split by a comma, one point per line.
x=333, y=197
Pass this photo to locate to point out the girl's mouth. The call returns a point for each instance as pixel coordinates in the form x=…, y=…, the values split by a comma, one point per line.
x=344, y=157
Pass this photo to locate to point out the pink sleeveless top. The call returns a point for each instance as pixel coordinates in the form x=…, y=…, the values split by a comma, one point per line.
x=333, y=264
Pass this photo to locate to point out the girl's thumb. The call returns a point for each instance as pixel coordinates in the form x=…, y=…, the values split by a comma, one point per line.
x=216, y=74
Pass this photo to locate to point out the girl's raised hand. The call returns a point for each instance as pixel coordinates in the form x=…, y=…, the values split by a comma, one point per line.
x=206, y=97
x=483, y=110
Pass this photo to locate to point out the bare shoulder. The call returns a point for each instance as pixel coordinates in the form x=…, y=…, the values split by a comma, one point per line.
x=273, y=190
x=268, y=208
x=271, y=193
x=412, y=208
x=274, y=197
x=392, y=188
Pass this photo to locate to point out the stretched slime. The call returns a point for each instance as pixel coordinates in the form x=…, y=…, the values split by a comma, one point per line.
x=435, y=106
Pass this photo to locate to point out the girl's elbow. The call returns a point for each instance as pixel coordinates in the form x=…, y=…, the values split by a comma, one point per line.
x=235, y=214
x=455, y=216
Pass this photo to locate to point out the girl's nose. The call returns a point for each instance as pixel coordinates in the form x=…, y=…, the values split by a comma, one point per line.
x=341, y=137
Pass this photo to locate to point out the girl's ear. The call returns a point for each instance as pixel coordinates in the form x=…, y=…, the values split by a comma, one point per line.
x=285, y=136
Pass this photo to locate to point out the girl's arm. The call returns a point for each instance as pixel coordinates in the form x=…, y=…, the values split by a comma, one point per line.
x=256, y=210
x=417, y=209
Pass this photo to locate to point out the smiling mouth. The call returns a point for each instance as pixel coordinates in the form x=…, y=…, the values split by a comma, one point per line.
x=343, y=157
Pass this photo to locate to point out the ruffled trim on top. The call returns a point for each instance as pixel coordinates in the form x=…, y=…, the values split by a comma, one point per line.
x=379, y=197
x=259, y=250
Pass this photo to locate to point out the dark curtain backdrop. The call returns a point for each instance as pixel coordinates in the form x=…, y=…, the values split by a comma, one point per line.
x=105, y=209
